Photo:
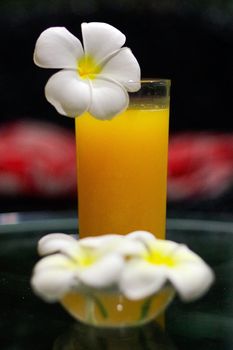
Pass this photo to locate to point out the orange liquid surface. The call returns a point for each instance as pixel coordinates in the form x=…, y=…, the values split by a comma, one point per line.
x=122, y=172
x=117, y=309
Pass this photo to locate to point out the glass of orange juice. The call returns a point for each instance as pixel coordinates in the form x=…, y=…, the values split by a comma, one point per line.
x=122, y=165
x=122, y=175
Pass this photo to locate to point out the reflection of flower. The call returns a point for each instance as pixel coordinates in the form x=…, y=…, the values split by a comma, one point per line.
x=164, y=261
x=95, y=78
x=137, y=265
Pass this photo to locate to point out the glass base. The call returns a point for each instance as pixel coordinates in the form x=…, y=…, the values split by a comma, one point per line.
x=114, y=310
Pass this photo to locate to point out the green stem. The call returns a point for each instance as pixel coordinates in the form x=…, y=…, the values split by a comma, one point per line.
x=91, y=302
x=90, y=309
x=145, y=308
x=101, y=307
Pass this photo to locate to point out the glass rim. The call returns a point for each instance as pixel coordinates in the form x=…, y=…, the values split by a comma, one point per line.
x=155, y=80
x=150, y=92
x=164, y=81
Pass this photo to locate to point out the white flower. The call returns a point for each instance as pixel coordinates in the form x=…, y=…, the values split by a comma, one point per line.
x=94, y=262
x=164, y=261
x=136, y=265
x=95, y=77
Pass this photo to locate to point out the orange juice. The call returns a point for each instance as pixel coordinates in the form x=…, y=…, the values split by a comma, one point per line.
x=105, y=309
x=122, y=172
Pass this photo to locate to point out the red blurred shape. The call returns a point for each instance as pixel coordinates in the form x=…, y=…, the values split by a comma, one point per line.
x=200, y=165
x=37, y=159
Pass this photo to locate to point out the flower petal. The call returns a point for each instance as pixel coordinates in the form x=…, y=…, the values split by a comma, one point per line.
x=56, y=242
x=56, y=47
x=124, y=68
x=52, y=285
x=183, y=254
x=140, y=280
x=53, y=236
x=142, y=236
x=113, y=243
x=101, y=40
x=55, y=261
x=163, y=247
x=68, y=93
x=108, y=98
x=191, y=280
x=99, y=241
x=104, y=272
x=130, y=248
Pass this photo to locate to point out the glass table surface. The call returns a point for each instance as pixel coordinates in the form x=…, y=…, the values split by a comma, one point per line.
x=26, y=322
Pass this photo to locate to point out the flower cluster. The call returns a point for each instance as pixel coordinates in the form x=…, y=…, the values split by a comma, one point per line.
x=95, y=77
x=136, y=265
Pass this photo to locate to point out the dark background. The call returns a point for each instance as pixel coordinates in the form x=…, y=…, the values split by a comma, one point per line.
x=189, y=42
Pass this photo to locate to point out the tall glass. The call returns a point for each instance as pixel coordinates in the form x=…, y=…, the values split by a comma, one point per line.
x=122, y=165
x=122, y=174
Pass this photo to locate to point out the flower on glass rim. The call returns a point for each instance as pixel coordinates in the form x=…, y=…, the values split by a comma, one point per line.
x=79, y=265
x=164, y=261
x=95, y=77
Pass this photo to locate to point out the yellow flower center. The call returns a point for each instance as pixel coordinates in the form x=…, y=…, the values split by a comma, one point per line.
x=88, y=68
x=156, y=257
x=85, y=258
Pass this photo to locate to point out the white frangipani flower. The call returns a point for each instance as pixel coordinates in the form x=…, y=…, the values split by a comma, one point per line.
x=95, y=77
x=93, y=262
x=136, y=265
x=164, y=261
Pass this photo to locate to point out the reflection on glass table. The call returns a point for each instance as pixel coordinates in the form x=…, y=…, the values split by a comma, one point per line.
x=28, y=323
